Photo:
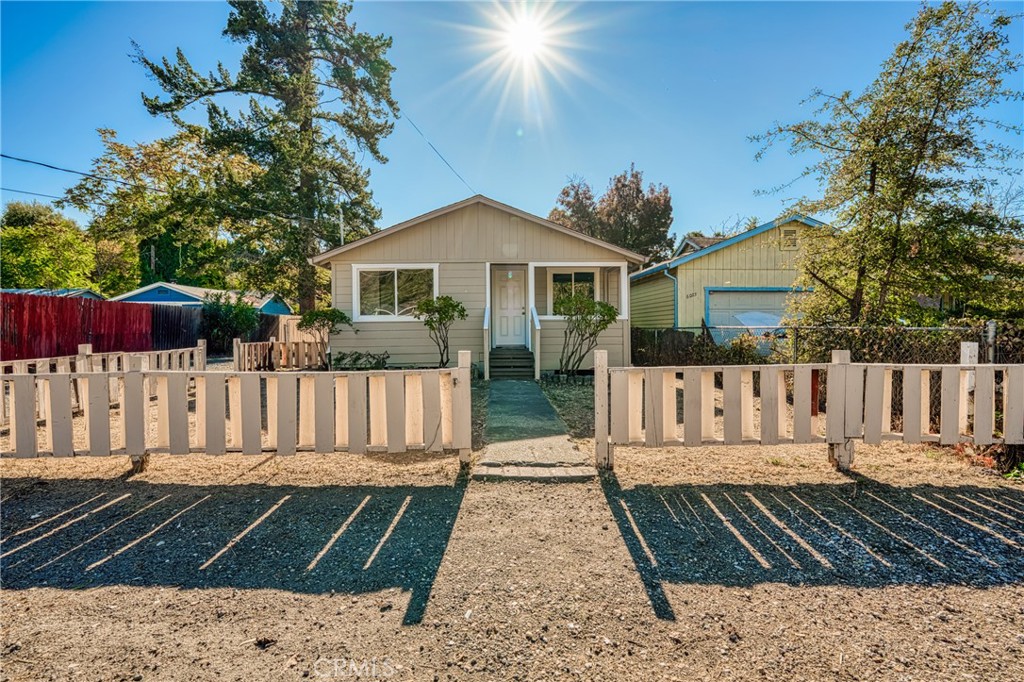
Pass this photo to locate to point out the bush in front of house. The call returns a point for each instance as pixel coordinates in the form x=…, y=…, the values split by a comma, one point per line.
x=320, y=324
x=359, y=361
x=438, y=315
x=225, y=320
x=585, y=319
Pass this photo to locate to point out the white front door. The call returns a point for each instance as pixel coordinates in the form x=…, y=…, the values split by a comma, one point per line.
x=509, y=307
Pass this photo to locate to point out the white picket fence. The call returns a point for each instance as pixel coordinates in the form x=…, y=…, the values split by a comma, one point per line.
x=247, y=412
x=277, y=355
x=86, y=361
x=640, y=405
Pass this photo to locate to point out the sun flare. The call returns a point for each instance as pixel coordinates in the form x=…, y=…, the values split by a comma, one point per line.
x=524, y=36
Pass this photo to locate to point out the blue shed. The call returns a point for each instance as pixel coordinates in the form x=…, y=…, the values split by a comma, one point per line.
x=167, y=293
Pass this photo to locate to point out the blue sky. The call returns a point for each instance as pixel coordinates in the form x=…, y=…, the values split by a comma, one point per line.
x=675, y=88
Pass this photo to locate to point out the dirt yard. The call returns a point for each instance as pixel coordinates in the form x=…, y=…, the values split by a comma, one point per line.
x=745, y=563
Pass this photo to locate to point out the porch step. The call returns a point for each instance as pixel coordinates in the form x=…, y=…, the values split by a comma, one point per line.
x=534, y=473
x=515, y=362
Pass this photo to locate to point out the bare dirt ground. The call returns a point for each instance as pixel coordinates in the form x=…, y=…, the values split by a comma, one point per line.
x=710, y=563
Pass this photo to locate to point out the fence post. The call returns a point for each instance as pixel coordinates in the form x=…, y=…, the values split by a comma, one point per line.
x=201, y=357
x=840, y=448
x=236, y=355
x=990, y=340
x=462, y=406
x=968, y=356
x=603, y=453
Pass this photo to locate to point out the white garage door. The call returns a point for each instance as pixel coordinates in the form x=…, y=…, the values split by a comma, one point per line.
x=746, y=308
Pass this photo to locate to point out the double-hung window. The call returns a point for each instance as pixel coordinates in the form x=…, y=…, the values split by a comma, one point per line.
x=392, y=292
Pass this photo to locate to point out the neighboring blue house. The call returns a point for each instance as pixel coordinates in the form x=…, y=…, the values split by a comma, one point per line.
x=62, y=293
x=166, y=293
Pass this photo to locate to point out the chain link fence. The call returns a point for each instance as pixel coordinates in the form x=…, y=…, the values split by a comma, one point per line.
x=998, y=342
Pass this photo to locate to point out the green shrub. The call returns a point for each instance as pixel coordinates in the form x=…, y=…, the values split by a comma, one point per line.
x=585, y=319
x=360, y=361
x=438, y=315
x=321, y=324
x=224, y=320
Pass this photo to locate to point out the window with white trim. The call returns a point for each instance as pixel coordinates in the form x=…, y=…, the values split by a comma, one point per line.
x=392, y=292
x=566, y=283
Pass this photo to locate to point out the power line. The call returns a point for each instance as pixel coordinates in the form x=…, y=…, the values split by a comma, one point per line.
x=136, y=186
x=439, y=154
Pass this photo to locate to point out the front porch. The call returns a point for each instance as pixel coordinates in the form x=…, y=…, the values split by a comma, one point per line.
x=522, y=330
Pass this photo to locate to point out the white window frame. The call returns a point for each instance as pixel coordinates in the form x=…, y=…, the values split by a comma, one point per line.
x=568, y=271
x=360, y=267
x=623, y=267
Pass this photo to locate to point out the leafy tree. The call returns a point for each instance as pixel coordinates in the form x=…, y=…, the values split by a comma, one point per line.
x=226, y=318
x=585, y=319
x=161, y=216
x=438, y=315
x=319, y=91
x=41, y=248
x=577, y=208
x=627, y=214
x=907, y=168
x=321, y=324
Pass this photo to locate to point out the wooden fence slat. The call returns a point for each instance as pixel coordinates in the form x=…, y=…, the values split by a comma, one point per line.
x=654, y=427
x=414, y=409
x=177, y=396
x=325, y=412
x=707, y=403
x=770, y=405
x=341, y=412
x=692, y=394
x=635, y=401
x=447, y=394
x=286, y=416
x=913, y=378
x=249, y=414
x=620, y=408
x=603, y=454
x=984, y=404
x=747, y=404
x=854, y=401
x=59, y=426
x=271, y=387
x=394, y=386
x=97, y=415
x=669, y=406
x=803, y=423
x=307, y=411
x=214, y=417
x=431, y=411
x=235, y=407
x=949, y=410
x=378, y=410
x=134, y=408
x=462, y=419
x=874, y=387
x=162, y=419
x=357, y=413
x=1013, y=405
x=887, y=401
x=732, y=406
x=23, y=415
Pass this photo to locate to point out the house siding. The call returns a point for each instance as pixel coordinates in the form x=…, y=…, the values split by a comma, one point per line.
x=754, y=262
x=461, y=243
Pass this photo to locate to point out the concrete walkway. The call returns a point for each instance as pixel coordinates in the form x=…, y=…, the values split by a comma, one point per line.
x=526, y=439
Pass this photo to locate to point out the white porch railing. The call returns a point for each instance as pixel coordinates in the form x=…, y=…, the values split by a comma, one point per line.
x=535, y=341
x=219, y=412
x=640, y=406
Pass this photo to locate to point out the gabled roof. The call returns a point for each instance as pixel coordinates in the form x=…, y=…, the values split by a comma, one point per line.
x=696, y=242
x=199, y=293
x=725, y=243
x=477, y=199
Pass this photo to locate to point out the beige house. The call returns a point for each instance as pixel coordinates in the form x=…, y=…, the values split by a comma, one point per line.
x=507, y=267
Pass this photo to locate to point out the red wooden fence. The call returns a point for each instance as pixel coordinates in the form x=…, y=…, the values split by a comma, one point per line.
x=49, y=326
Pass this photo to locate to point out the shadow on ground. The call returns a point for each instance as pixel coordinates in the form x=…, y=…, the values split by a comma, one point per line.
x=75, y=534
x=862, y=534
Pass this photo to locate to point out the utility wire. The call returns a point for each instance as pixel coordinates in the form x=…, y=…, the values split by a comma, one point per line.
x=135, y=186
x=439, y=154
